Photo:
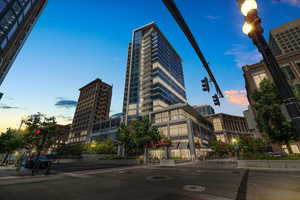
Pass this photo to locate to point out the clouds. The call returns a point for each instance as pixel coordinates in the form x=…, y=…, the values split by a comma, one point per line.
x=238, y=97
x=6, y=107
x=65, y=103
x=244, y=56
x=64, y=118
x=212, y=17
x=291, y=2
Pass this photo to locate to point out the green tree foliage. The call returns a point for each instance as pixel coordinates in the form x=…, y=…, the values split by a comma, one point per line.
x=10, y=141
x=251, y=145
x=107, y=146
x=296, y=90
x=125, y=136
x=220, y=148
x=47, y=136
x=269, y=117
x=137, y=134
x=70, y=149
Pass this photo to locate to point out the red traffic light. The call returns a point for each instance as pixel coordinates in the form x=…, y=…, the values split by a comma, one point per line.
x=38, y=131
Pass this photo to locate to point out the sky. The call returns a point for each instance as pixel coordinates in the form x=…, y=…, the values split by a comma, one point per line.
x=75, y=42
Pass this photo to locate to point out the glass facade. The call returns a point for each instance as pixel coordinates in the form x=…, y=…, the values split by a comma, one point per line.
x=185, y=127
x=155, y=74
x=135, y=68
x=14, y=14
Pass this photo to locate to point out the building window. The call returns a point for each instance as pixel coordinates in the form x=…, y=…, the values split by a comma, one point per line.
x=289, y=75
x=164, y=116
x=178, y=130
x=175, y=115
x=163, y=131
x=258, y=77
x=217, y=124
x=158, y=118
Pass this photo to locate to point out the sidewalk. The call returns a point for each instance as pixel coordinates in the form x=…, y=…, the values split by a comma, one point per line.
x=8, y=171
x=271, y=169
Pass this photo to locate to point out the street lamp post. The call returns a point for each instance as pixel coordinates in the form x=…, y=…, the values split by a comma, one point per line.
x=254, y=30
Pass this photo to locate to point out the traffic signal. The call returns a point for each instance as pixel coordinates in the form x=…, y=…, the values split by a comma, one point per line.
x=37, y=131
x=205, y=85
x=216, y=100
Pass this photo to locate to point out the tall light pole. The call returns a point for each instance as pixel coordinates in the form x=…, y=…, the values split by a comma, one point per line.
x=254, y=30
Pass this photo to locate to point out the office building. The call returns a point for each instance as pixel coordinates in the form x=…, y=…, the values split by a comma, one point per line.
x=285, y=38
x=17, y=18
x=63, y=136
x=205, y=110
x=154, y=75
x=93, y=106
x=106, y=128
x=189, y=132
x=227, y=128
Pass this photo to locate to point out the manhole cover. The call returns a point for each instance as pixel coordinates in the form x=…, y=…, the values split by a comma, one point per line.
x=158, y=178
x=194, y=188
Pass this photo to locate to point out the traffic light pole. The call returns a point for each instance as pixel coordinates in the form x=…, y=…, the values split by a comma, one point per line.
x=283, y=87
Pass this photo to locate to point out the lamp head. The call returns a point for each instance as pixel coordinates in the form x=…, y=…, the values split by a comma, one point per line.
x=247, y=28
x=247, y=6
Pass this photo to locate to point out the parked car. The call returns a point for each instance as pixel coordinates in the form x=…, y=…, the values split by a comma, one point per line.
x=276, y=154
x=43, y=162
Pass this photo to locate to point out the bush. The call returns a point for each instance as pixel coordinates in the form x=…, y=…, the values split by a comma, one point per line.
x=112, y=157
x=106, y=146
x=251, y=145
x=70, y=149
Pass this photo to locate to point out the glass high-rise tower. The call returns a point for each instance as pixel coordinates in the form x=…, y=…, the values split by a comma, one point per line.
x=154, y=75
x=17, y=17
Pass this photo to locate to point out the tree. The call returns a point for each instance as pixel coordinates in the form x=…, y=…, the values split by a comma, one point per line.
x=296, y=90
x=69, y=149
x=41, y=132
x=124, y=136
x=10, y=141
x=138, y=135
x=220, y=148
x=106, y=146
x=251, y=145
x=269, y=118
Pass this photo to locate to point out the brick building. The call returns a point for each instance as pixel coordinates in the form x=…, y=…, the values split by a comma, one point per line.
x=93, y=105
x=290, y=66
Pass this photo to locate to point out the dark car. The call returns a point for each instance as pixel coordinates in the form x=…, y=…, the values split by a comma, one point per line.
x=276, y=154
x=43, y=162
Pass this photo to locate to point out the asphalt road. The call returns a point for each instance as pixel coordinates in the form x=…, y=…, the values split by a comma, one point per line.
x=154, y=183
x=80, y=166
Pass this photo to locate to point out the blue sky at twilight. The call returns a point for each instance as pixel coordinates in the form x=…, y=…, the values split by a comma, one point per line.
x=76, y=41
